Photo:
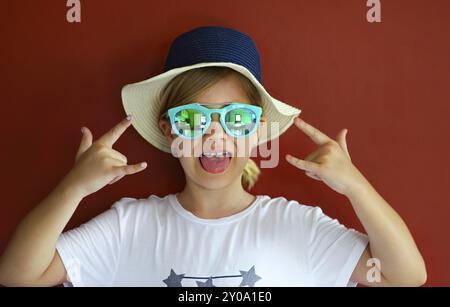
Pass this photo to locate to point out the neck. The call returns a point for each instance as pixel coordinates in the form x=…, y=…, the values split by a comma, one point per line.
x=216, y=203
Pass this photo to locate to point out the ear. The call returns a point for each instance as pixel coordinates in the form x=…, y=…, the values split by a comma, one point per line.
x=165, y=127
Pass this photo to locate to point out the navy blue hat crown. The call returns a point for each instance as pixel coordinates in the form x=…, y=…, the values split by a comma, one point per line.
x=214, y=44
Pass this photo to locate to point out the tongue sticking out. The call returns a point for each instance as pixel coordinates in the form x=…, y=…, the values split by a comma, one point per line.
x=214, y=165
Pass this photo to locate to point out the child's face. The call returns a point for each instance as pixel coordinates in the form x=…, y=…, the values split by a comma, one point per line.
x=202, y=171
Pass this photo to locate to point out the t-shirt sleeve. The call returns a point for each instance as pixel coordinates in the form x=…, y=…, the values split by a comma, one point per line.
x=90, y=252
x=333, y=249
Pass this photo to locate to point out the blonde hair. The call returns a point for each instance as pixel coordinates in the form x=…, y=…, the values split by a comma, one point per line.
x=187, y=86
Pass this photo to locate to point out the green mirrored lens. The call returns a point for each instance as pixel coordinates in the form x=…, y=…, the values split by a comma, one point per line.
x=189, y=122
x=240, y=121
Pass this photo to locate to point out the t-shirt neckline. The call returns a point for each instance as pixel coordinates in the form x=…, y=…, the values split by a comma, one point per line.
x=173, y=200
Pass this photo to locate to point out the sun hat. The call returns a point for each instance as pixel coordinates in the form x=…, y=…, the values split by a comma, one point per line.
x=200, y=47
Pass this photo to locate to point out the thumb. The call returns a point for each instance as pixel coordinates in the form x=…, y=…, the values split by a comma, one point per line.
x=86, y=142
x=342, y=141
x=313, y=176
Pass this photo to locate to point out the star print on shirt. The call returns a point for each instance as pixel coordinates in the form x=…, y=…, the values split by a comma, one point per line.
x=207, y=283
x=249, y=278
x=173, y=280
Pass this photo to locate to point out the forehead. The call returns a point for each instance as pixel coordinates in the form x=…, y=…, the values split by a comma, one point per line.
x=227, y=90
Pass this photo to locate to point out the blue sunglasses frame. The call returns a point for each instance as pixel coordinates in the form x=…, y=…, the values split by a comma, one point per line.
x=209, y=111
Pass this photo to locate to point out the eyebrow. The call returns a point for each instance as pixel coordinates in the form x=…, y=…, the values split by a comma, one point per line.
x=215, y=104
x=223, y=103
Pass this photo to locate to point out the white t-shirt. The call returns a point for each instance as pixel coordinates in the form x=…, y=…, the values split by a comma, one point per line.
x=155, y=241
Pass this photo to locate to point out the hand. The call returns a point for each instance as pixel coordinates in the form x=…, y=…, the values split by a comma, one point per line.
x=97, y=164
x=330, y=162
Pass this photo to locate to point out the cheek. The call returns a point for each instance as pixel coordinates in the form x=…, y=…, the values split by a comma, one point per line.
x=244, y=146
x=186, y=148
x=239, y=163
x=188, y=163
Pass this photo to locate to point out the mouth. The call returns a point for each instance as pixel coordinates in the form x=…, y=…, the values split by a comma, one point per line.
x=215, y=162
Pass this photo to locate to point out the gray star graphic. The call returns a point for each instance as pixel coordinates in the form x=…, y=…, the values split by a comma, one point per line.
x=207, y=283
x=249, y=277
x=174, y=280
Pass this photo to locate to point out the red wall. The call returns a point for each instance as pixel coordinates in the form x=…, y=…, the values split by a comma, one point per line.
x=388, y=83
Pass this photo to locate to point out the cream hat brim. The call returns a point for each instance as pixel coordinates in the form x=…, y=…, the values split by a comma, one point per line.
x=141, y=99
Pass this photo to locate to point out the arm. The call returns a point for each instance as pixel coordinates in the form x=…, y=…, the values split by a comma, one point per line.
x=31, y=258
x=390, y=240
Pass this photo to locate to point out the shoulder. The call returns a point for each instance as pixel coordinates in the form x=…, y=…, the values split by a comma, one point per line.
x=305, y=218
x=284, y=209
x=130, y=207
x=282, y=204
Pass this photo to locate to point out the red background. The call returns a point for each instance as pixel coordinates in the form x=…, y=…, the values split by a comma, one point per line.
x=387, y=82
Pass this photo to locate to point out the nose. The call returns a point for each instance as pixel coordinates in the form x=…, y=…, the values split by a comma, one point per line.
x=215, y=131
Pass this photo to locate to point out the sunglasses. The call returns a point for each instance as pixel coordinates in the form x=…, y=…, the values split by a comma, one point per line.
x=193, y=120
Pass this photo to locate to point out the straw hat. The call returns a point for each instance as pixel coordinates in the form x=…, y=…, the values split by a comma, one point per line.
x=201, y=47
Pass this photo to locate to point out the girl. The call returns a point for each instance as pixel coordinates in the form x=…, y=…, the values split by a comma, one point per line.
x=211, y=111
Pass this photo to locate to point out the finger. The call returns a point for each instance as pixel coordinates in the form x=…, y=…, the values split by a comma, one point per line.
x=130, y=169
x=342, y=141
x=116, y=179
x=315, y=134
x=114, y=134
x=312, y=176
x=86, y=142
x=311, y=158
x=303, y=165
x=117, y=155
